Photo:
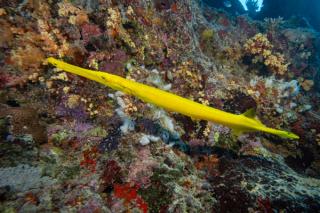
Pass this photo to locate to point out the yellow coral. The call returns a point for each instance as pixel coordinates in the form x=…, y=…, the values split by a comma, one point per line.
x=73, y=101
x=276, y=63
x=207, y=34
x=192, y=77
x=115, y=26
x=76, y=15
x=261, y=48
x=258, y=44
x=233, y=52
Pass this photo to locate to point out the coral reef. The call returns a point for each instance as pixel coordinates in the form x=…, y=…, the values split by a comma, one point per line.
x=71, y=145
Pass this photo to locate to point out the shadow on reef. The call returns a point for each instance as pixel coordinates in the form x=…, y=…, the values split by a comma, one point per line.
x=241, y=182
x=269, y=184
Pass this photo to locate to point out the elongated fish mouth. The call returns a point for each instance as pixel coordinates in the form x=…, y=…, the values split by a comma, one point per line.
x=289, y=135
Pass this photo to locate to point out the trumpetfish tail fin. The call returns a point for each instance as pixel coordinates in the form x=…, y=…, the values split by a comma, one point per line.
x=251, y=113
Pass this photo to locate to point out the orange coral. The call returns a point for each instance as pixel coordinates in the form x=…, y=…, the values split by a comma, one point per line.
x=307, y=84
x=6, y=33
x=209, y=163
x=28, y=58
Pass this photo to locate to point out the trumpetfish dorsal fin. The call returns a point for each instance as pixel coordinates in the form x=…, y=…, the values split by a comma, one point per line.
x=250, y=113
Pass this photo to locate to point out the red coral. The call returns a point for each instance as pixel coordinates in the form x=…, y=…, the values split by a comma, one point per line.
x=224, y=21
x=130, y=194
x=4, y=79
x=222, y=33
x=31, y=198
x=163, y=4
x=244, y=24
x=297, y=127
x=174, y=7
x=89, y=159
x=264, y=205
x=88, y=31
x=111, y=174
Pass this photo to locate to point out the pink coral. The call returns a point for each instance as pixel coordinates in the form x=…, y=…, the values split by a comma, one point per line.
x=140, y=171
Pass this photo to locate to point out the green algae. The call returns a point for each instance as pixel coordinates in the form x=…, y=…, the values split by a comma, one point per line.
x=97, y=132
x=60, y=136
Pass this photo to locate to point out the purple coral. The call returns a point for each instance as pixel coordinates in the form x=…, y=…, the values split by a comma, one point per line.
x=77, y=112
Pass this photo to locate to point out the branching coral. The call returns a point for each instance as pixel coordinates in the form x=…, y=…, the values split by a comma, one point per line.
x=273, y=23
x=260, y=47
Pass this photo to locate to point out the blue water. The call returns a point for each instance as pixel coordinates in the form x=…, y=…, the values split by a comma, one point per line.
x=259, y=2
x=309, y=11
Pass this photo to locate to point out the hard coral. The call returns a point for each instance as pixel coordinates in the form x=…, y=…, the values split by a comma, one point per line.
x=307, y=84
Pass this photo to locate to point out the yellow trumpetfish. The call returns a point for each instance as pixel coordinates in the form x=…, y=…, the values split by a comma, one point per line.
x=246, y=122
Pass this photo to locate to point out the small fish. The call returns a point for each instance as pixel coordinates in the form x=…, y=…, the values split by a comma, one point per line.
x=246, y=122
x=227, y=4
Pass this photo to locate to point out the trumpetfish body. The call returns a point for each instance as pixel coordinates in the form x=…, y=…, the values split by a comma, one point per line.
x=246, y=122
